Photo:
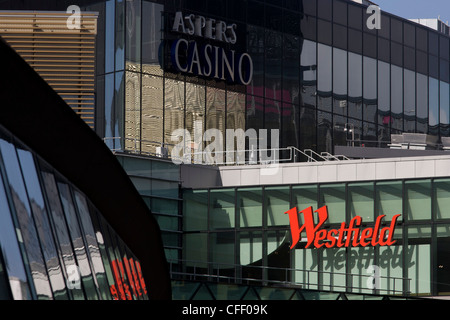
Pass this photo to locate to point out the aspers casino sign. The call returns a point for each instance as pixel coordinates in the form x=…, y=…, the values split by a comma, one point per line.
x=346, y=236
x=205, y=48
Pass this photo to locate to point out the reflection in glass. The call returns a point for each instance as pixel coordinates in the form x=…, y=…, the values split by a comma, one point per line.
x=91, y=244
x=133, y=35
x=409, y=100
x=13, y=263
x=396, y=97
x=249, y=202
x=173, y=109
x=441, y=191
x=340, y=81
x=133, y=110
x=433, y=112
x=195, y=114
x=324, y=80
x=25, y=219
x=195, y=210
x=418, y=195
x=61, y=232
x=44, y=229
x=152, y=112
x=221, y=209
x=444, y=108
x=151, y=37
x=361, y=200
x=389, y=196
x=355, y=85
x=276, y=204
x=384, y=95
x=77, y=241
x=422, y=103
x=370, y=89
x=333, y=196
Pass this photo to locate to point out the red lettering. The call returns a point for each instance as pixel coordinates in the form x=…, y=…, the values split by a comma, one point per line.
x=344, y=237
x=331, y=238
x=320, y=235
x=141, y=278
x=365, y=234
x=390, y=230
x=308, y=226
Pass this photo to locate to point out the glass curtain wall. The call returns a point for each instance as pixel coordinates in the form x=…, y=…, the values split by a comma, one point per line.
x=54, y=243
x=320, y=77
x=250, y=229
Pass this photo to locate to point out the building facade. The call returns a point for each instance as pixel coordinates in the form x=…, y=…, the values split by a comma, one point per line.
x=60, y=238
x=316, y=75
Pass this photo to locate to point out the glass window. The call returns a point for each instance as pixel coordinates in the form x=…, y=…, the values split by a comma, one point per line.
x=409, y=89
x=222, y=208
x=384, y=50
x=422, y=103
x=151, y=37
x=397, y=97
x=360, y=261
x=355, y=14
x=276, y=204
x=444, y=47
x=396, y=30
x=433, y=110
x=120, y=35
x=340, y=12
x=339, y=36
x=370, y=46
x=249, y=201
x=324, y=132
x=222, y=252
x=152, y=112
x=109, y=111
x=361, y=200
x=385, y=30
x=441, y=191
x=43, y=226
x=195, y=210
x=196, y=250
x=324, y=66
x=422, y=38
x=370, y=89
x=119, y=108
x=333, y=196
x=384, y=94
x=409, y=34
x=92, y=244
x=355, y=75
x=77, y=241
x=444, y=108
x=25, y=220
x=443, y=259
x=340, y=75
x=133, y=111
x=109, y=35
x=173, y=108
x=306, y=268
x=390, y=270
x=251, y=254
x=11, y=252
x=133, y=35
x=389, y=199
x=325, y=9
x=355, y=41
x=396, y=54
x=61, y=232
x=433, y=43
x=418, y=199
x=324, y=32
x=332, y=276
x=419, y=260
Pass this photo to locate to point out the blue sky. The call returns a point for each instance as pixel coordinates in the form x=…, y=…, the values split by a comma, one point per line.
x=413, y=9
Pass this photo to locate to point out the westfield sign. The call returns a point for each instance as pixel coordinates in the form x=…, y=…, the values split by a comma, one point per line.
x=346, y=236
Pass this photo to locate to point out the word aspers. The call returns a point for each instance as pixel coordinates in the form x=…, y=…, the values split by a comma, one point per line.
x=344, y=236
